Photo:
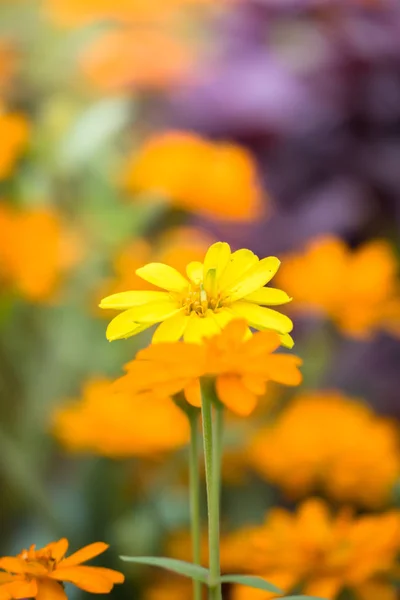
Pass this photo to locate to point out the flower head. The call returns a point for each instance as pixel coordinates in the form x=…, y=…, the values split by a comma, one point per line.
x=120, y=425
x=40, y=573
x=224, y=286
x=319, y=553
x=240, y=365
x=14, y=131
x=327, y=441
x=35, y=250
x=219, y=180
x=359, y=290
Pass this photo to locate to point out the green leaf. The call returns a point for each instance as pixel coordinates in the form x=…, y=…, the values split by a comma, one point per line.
x=250, y=581
x=177, y=566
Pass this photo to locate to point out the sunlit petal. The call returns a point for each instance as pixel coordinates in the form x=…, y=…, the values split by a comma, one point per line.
x=267, y=296
x=255, y=278
x=163, y=276
x=125, y=300
x=171, y=330
x=261, y=317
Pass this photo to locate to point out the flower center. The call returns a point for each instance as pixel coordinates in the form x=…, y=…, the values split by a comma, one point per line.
x=198, y=301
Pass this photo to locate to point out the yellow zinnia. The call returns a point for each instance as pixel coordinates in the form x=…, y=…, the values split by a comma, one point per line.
x=226, y=285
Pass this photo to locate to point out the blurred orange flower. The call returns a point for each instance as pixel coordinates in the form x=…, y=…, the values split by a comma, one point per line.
x=14, y=134
x=358, y=289
x=120, y=424
x=320, y=553
x=8, y=64
x=329, y=442
x=216, y=179
x=176, y=247
x=35, y=249
x=130, y=57
x=41, y=573
x=241, y=367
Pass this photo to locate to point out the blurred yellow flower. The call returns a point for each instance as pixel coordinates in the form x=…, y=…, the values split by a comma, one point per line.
x=225, y=286
x=35, y=250
x=40, y=573
x=241, y=367
x=319, y=553
x=128, y=57
x=175, y=247
x=120, y=425
x=358, y=289
x=326, y=441
x=219, y=180
x=14, y=134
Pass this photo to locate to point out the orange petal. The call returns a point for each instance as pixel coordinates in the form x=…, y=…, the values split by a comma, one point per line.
x=50, y=590
x=193, y=393
x=84, y=554
x=91, y=579
x=283, y=368
x=23, y=589
x=235, y=395
x=324, y=587
x=13, y=564
x=255, y=384
x=58, y=549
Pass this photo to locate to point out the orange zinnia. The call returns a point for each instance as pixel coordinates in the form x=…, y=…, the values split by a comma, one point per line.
x=216, y=179
x=240, y=365
x=357, y=289
x=40, y=573
x=14, y=132
x=120, y=425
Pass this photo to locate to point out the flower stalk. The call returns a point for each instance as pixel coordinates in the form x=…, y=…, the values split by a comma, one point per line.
x=194, y=483
x=212, y=441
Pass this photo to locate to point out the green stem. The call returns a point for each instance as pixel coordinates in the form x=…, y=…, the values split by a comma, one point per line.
x=194, y=482
x=212, y=456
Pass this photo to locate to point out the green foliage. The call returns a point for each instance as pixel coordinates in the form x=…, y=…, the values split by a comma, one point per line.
x=180, y=567
x=250, y=581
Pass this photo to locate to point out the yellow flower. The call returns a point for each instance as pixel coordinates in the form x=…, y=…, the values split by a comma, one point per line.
x=225, y=286
x=120, y=425
x=319, y=553
x=327, y=441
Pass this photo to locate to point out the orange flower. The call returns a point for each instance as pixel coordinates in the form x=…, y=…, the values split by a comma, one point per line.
x=120, y=425
x=326, y=441
x=14, y=132
x=216, y=179
x=357, y=289
x=129, y=56
x=40, y=573
x=8, y=64
x=175, y=247
x=241, y=367
x=34, y=251
x=319, y=553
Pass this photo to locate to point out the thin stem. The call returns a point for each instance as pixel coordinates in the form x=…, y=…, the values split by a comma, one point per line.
x=212, y=453
x=194, y=483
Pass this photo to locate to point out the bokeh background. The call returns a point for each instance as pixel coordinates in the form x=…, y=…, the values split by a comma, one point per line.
x=142, y=130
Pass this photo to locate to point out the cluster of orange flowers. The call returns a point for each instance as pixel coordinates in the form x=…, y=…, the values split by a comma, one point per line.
x=35, y=250
x=215, y=179
x=40, y=573
x=14, y=134
x=128, y=52
x=357, y=289
x=320, y=553
x=325, y=441
x=119, y=425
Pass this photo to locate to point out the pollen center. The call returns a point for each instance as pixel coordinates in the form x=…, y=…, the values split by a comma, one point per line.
x=198, y=301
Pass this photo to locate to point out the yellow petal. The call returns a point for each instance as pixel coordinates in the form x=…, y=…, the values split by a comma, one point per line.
x=223, y=317
x=268, y=297
x=125, y=300
x=199, y=327
x=255, y=278
x=286, y=340
x=262, y=318
x=124, y=326
x=194, y=271
x=163, y=276
x=154, y=312
x=240, y=262
x=171, y=330
x=216, y=259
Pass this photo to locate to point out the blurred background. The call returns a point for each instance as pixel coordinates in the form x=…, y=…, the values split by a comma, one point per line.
x=143, y=130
